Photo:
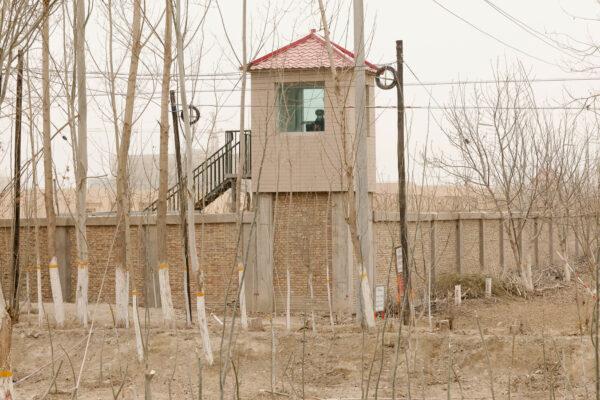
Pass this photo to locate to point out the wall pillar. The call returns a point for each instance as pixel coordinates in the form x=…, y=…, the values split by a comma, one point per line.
x=432, y=250
x=536, y=242
x=63, y=256
x=459, y=244
x=501, y=243
x=551, y=241
x=249, y=260
x=151, y=283
x=263, y=271
x=481, y=245
x=342, y=259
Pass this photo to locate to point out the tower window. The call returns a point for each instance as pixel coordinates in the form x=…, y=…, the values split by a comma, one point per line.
x=301, y=107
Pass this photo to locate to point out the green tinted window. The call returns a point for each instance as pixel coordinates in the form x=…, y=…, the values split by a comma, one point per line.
x=301, y=107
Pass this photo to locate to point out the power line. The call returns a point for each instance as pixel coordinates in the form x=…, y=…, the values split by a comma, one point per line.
x=530, y=30
x=477, y=107
x=493, y=81
x=493, y=37
x=105, y=92
x=233, y=75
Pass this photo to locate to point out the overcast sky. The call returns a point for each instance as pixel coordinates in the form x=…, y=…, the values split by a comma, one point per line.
x=439, y=47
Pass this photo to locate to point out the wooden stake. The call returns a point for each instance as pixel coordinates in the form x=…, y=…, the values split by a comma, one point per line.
x=457, y=295
x=488, y=287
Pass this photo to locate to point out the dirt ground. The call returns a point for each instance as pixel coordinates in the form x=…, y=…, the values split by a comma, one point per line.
x=543, y=354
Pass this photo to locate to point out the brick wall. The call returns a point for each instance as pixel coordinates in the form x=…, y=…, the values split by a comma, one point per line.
x=302, y=243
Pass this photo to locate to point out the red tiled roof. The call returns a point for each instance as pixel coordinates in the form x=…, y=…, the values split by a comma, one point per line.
x=308, y=52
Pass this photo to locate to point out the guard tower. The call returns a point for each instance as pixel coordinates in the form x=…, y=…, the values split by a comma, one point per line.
x=302, y=144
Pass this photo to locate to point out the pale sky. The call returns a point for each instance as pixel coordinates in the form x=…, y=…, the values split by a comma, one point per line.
x=439, y=47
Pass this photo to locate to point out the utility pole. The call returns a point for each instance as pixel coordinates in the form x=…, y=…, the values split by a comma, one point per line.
x=403, y=271
x=402, y=181
x=14, y=306
x=182, y=209
x=363, y=204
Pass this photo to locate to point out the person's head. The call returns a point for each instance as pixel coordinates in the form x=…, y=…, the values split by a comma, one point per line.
x=319, y=112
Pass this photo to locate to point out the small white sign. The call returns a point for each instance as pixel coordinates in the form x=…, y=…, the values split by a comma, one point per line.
x=399, y=259
x=379, y=298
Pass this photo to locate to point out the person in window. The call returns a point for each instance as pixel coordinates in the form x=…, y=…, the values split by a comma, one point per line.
x=319, y=121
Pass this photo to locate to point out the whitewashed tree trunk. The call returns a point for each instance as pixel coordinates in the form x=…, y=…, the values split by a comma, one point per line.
x=35, y=187
x=59, y=308
x=123, y=251
x=243, y=313
x=6, y=386
x=139, y=344
x=188, y=195
x=166, y=300
x=349, y=169
x=80, y=151
x=122, y=297
x=163, y=184
x=48, y=174
x=6, y=375
x=367, y=298
x=203, y=325
x=82, y=292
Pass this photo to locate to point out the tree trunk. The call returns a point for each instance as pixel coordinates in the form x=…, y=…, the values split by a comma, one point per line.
x=59, y=311
x=242, y=169
x=81, y=165
x=36, y=229
x=122, y=273
x=161, y=217
x=139, y=344
x=365, y=300
x=187, y=196
x=6, y=376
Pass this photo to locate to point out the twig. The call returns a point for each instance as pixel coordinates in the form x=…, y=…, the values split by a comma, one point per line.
x=487, y=356
x=52, y=381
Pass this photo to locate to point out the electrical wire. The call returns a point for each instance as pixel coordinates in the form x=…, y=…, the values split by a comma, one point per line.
x=532, y=31
x=494, y=37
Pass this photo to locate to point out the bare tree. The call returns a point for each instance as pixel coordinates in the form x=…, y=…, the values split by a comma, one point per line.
x=123, y=269
x=188, y=195
x=80, y=150
x=59, y=311
x=241, y=166
x=348, y=175
x=20, y=21
x=499, y=147
x=163, y=183
x=35, y=188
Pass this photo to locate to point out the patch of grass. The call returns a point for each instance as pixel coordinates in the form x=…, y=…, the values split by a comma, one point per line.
x=473, y=286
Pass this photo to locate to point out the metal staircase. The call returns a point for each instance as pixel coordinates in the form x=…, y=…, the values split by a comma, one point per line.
x=215, y=175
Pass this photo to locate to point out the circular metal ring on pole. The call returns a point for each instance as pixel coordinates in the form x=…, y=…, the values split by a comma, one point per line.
x=380, y=83
x=194, y=114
